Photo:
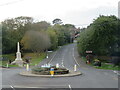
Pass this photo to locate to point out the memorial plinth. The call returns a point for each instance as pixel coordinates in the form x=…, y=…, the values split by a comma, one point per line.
x=18, y=61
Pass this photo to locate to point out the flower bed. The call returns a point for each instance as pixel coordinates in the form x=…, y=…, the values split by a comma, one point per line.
x=46, y=71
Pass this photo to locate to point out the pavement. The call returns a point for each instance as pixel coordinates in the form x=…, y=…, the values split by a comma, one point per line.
x=67, y=56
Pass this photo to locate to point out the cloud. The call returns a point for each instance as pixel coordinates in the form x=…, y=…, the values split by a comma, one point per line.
x=70, y=11
x=83, y=18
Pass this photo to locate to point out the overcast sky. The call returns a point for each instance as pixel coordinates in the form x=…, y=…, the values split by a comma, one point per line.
x=77, y=12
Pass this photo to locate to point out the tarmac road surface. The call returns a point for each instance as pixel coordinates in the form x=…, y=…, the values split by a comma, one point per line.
x=67, y=56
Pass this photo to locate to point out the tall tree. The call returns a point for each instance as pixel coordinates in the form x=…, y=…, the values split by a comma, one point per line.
x=36, y=41
x=53, y=38
x=57, y=21
x=101, y=36
x=12, y=31
x=38, y=26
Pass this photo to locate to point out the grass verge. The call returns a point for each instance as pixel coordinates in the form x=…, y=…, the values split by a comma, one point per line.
x=34, y=59
x=107, y=66
x=37, y=59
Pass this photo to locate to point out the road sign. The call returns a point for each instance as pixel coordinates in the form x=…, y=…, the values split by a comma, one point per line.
x=52, y=71
x=88, y=51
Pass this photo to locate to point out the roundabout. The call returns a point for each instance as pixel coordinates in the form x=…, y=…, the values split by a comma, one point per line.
x=30, y=74
x=48, y=70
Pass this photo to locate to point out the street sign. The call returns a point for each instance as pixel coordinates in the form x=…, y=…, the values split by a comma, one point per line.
x=88, y=51
x=52, y=71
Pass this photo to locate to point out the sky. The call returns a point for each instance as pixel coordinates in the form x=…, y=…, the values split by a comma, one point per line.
x=78, y=12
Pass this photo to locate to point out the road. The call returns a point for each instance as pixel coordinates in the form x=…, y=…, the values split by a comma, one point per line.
x=67, y=56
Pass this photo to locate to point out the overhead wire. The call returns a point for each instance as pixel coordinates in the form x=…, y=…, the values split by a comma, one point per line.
x=12, y=2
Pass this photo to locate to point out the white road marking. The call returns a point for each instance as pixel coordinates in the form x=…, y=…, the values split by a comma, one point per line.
x=113, y=77
x=52, y=57
x=63, y=59
x=75, y=58
x=63, y=65
x=70, y=87
x=12, y=87
x=117, y=72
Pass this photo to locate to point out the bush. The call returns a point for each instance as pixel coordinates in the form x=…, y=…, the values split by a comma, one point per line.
x=46, y=71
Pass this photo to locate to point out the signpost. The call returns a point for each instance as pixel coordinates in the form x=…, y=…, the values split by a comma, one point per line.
x=7, y=65
x=27, y=67
x=47, y=56
x=75, y=68
x=52, y=71
x=88, y=56
x=57, y=65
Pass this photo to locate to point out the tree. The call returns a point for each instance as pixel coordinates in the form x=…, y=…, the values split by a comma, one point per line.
x=57, y=21
x=100, y=37
x=12, y=32
x=16, y=23
x=53, y=38
x=65, y=33
x=36, y=41
x=70, y=32
x=40, y=26
x=59, y=29
x=20, y=28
